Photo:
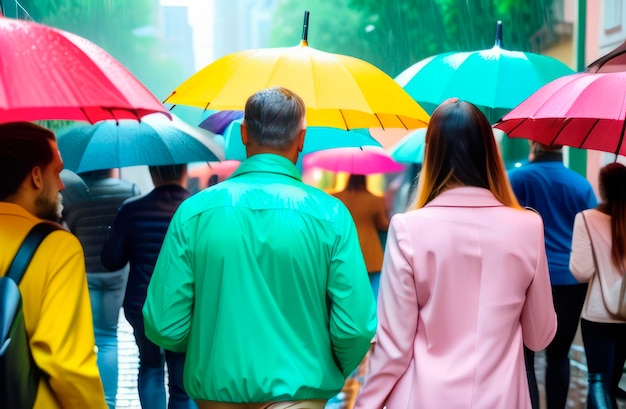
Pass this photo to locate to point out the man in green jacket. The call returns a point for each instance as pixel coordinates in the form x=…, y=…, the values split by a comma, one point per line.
x=261, y=280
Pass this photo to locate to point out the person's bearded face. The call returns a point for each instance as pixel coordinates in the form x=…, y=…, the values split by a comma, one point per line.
x=49, y=205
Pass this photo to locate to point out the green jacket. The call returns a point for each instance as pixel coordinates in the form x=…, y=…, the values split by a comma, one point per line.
x=262, y=282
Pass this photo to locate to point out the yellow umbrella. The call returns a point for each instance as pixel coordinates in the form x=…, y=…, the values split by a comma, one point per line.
x=339, y=91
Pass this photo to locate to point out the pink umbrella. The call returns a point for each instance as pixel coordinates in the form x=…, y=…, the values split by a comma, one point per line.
x=365, y=160
x=584, y=110
x=218, y=171
x=48, y=73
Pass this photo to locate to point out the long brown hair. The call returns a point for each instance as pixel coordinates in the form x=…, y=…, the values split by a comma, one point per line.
x=612, y=186
x=461, y=151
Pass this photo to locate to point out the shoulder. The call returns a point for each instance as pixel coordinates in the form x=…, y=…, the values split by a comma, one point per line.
x=61, y=245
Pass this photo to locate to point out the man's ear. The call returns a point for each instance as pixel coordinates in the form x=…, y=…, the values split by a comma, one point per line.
x=36, y=178
x=301, y=140
x=244, y=134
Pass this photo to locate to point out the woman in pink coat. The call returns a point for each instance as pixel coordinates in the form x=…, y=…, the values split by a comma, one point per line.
x=464, y=283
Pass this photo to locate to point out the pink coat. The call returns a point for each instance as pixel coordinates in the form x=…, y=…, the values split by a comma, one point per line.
x=464, y=284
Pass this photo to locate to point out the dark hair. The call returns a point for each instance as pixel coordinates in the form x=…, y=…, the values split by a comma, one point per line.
x=461, y=151
x=612, y=186
x=167, y=173
x=274, y=117
x=23, y=147
x=356, y=182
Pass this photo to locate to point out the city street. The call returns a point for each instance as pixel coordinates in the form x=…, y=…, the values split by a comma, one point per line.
x=127, y=397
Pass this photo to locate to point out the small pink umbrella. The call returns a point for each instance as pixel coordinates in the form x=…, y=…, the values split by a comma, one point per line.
x=219, y=171
x=365, y=160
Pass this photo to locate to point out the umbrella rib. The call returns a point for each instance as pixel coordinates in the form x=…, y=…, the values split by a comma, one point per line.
x=379, y=121
x=344, y=119
x=567, y=121
x=596, y=122
x=621, y=139
x=86, y=115
x=515, y=127
x=401, y=121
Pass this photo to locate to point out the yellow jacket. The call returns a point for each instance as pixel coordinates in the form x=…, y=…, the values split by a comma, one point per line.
x=57, y=313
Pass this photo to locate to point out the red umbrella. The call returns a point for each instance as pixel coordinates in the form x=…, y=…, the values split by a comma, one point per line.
x=52, y=74
x=582, y=110
x=614, y=61
x=365, y=160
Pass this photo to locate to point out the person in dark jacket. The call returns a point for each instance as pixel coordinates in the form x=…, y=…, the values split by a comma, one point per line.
x=136, y=237
x=90, y=203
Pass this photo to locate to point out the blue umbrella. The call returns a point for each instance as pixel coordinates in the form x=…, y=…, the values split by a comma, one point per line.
x=155, y=140
x=317, y=138
x=410, y=149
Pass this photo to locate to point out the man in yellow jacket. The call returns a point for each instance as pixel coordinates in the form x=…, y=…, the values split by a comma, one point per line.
x=54, y=291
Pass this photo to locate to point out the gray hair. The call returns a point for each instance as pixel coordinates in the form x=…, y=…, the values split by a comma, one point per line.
x=274, y=117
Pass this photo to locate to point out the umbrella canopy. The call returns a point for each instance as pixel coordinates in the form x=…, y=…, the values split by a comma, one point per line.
x=317, y=138
x=614, y=61
x=219, y=171
x=218, y=121
x=52, y=74
x=410, y=149
x=494, y=78
x=155, y=140
x=365, y=160
x=582, y=110
x=339, y=91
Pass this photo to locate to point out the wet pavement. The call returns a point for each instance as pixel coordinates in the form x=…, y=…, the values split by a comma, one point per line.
x=127, y=396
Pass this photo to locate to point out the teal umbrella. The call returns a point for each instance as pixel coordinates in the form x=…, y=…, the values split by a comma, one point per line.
x=495, y=79
x=409, y=149
x=155, y=140
x=317, y=138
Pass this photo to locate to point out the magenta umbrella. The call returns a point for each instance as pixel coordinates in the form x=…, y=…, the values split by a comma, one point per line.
x=584, y=110
x=365, y=160
x=46, y=73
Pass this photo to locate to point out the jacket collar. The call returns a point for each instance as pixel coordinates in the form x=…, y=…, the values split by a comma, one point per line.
x=268, y=163
x=465, y=196
x=9, y=208
x=548, y=157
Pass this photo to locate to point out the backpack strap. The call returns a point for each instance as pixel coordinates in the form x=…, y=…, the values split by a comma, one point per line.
x=28, y=248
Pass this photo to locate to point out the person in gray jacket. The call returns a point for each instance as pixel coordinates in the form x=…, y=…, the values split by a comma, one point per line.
x=90, y=203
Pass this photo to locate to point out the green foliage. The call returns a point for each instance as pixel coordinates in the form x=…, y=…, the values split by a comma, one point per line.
x=114, y=26
x=343, y=33
x=394, y=34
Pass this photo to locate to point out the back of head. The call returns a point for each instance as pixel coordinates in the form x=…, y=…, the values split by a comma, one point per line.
x=461, y=151
x=539, y=149
x=23, y=146
x=357, y=182
x=274, y=118
x=168, y=174
x=612, y=186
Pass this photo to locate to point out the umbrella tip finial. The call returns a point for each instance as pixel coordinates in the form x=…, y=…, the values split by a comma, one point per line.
x=305, y=27
x=499, y=34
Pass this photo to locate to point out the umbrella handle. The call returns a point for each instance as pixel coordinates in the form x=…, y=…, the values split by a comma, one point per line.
x=499, y=34
x=305, y=26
